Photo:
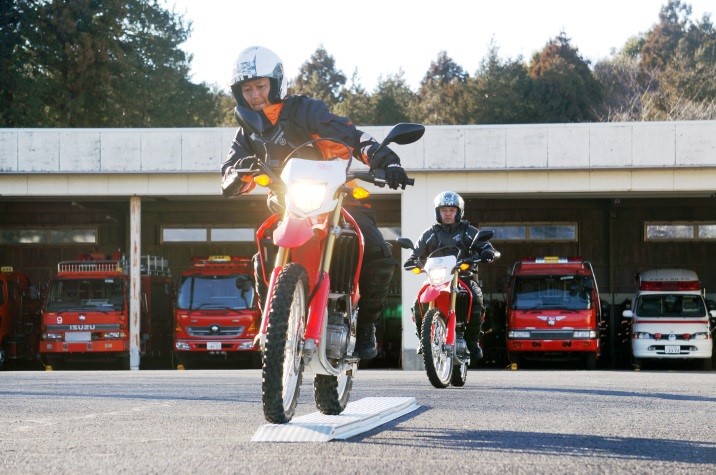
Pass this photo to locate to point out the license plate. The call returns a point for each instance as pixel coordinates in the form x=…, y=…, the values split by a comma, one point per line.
x=78, y=336
x=213, y=345
x=672, y=349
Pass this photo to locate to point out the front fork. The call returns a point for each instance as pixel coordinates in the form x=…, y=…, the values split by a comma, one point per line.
x=451, y=317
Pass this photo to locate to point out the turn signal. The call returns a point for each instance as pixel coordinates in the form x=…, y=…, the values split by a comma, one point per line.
x=416, y=270
x=262, y=180
x=360, y=193
x=464, y=266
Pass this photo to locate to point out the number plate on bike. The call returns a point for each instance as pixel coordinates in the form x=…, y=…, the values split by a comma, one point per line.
x=213, y=345
x=672, y=349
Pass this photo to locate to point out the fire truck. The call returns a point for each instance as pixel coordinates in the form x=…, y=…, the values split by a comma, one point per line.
x=85, y=316
x=553, y=311
x=19, y=318
x=216, y=314
x=670, y=319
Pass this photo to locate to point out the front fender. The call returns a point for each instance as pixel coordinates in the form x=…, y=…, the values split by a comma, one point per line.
x=292, y=232
x=432, y=292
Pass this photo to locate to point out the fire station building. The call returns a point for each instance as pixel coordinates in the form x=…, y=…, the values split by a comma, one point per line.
x=625, y=196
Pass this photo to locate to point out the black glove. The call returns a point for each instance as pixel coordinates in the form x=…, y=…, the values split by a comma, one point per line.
x=382, y=158
x=488, y=255
x=246, y=163
x=231, y=183
x=410, y=264
x=395, y=176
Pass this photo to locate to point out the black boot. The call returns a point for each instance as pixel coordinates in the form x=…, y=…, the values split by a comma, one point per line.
x=474, y=348
x=366, y=346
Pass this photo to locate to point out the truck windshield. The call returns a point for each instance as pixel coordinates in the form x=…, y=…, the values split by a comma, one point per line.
x=234, y=292
x=670, y=305
x=101, y=294
x=566, y=292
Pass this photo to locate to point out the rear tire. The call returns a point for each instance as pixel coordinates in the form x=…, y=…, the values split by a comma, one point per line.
x=332, y=392
x=459, y=374
x=438, y=361
x=282, y=371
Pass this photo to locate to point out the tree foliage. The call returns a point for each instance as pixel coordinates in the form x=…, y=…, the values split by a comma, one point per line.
x=104, y=63
x=319, y=78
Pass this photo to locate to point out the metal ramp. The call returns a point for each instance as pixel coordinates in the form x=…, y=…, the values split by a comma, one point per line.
x=358, y=417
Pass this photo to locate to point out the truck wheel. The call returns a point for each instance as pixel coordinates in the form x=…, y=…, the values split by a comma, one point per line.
x=591, y=360
x=636, y=363
x=706, y=364
x=436, y=356
x=283, y=355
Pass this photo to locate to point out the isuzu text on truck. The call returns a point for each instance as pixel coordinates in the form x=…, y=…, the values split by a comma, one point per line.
x=553, y=311
x=669, y=318
x=216, y=313
x=86, y=312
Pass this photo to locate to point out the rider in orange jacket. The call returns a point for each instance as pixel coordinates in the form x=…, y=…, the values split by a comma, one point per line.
x=258, y=83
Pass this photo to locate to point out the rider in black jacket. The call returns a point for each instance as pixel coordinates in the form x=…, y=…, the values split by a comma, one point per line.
x=452, y=230
x=258, y=83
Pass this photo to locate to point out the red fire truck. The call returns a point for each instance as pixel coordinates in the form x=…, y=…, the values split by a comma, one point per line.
x=85, y=316
x=19, y=318
x=553, y=311
x=216, y=313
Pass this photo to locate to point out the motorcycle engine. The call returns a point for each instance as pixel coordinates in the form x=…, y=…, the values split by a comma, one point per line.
x=337, y=333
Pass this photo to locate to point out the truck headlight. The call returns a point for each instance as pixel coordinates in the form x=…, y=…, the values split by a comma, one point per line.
x=700, y=336
x=52, y=336
x=585, y=334
x=113, y=335
x=518, y=334
x=180, y=345
x=306, y=196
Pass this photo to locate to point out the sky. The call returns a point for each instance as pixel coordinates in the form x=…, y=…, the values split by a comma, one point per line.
x=382, y=38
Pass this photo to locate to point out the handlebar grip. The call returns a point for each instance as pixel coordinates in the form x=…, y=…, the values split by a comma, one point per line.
x=410, y=181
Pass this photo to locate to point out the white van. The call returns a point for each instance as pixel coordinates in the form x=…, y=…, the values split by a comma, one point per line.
x=670, y=319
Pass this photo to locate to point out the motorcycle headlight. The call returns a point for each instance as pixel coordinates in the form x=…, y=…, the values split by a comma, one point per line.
x=306, y=196
x=437, y=276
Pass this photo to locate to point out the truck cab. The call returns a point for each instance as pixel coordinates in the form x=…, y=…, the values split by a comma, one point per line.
x=553, y=311
x=216, y=313
x=669, y=318
x=85, y=316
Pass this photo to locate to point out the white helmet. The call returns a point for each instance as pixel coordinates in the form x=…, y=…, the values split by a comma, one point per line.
x=258, y=62
x=449, y=198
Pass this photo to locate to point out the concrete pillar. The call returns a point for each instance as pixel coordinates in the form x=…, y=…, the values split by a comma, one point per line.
x=135, y=279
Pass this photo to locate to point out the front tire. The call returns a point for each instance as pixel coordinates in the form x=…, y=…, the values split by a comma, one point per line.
x=282, y=371
x=436, y=356
x=332, y=392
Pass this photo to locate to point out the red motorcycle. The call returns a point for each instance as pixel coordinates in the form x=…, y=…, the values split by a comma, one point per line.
x=309, y=319
x=449, y=303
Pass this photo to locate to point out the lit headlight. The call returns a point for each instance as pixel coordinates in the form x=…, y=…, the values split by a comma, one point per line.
x=585, y=334
x=518, y=334
x=306, y=196
x=437, y=276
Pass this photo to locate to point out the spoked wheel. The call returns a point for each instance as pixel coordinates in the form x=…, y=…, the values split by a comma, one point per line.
x=332, y=392
x=438, y=361
x=282, y=360
x=459, y=373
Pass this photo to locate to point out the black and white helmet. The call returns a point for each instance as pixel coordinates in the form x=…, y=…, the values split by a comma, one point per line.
x=449, y=198
x=258, y=62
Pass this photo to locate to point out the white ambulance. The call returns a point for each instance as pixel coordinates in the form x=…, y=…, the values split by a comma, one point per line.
x=669, y=318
